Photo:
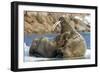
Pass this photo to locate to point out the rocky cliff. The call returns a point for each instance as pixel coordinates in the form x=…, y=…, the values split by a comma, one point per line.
x=42, y=22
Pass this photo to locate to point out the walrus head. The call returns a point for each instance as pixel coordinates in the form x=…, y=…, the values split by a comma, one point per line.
x=61, y=19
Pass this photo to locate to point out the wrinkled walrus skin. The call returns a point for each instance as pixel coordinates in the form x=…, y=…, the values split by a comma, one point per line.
x=74, y=46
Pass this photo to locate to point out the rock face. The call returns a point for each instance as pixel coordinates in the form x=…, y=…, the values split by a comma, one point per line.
x=42, y=22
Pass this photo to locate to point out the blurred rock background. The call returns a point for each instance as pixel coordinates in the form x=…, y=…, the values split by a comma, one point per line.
x=42, y=22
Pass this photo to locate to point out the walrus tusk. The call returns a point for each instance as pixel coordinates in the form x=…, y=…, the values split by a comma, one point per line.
x=54, y=26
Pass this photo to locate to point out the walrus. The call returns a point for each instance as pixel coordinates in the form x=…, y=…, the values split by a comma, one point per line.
x=71, y=43
x=42, y=47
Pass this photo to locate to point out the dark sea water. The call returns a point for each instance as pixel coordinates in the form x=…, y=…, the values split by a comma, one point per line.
x=28, y=37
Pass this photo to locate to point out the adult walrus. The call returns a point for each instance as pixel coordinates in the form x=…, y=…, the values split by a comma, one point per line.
x=42, y=47
x=74, y=45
